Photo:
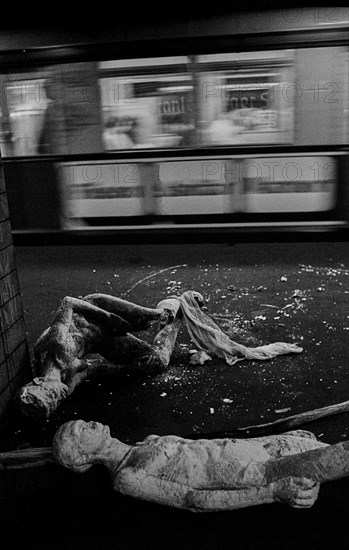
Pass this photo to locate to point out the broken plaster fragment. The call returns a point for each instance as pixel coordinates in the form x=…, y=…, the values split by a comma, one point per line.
x=199, y=357
x=297, y=294
x=226, y=400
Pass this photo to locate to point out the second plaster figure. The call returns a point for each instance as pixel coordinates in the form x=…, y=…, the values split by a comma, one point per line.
x=206, y=475
x=93, y=336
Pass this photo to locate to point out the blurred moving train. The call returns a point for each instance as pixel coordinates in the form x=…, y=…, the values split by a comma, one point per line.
x=219, y=123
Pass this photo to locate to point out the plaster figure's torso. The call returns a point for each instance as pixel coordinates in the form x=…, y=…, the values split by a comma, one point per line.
x=84, y=335
x=171, y=463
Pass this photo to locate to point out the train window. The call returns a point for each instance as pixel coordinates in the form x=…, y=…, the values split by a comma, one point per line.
x=242, y=99
x=289, y=184
x=297, y=96
x=147, y=103
x=193, y=188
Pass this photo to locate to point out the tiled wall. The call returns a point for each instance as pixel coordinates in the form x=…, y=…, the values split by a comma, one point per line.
x=14, y=355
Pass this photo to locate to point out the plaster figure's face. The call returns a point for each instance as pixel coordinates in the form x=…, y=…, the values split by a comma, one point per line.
x=91, y=435
x=78, y=444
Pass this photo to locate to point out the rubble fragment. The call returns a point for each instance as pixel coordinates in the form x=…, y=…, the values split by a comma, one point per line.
x=199, y=358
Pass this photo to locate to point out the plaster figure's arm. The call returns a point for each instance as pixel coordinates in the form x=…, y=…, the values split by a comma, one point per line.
x=138, y=484
x=297, y=492
x=222, y=499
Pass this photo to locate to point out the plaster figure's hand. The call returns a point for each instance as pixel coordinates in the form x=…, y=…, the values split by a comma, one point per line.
x=298, y=492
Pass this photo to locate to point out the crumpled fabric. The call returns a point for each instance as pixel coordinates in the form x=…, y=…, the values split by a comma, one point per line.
x=208, y=336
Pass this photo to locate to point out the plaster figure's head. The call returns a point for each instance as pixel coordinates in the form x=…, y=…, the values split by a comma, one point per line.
x=40, y=398
x=78, y=444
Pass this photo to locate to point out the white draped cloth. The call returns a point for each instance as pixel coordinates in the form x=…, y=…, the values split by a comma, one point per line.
x=207, y=336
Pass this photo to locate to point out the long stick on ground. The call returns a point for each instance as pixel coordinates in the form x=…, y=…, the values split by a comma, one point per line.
x=26, y=458
x=279, y=425
x=296, y=419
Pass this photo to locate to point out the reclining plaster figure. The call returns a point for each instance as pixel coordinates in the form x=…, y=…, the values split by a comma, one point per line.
x=93, y=336
x=206, y=475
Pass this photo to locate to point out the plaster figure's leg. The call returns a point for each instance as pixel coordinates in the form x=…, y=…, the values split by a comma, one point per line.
x=159, y=356
x=138, y=317
x=165, y=340
x=137, y=355
x=134, y=354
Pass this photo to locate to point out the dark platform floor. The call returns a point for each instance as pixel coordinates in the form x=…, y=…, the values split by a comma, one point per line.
x=259, y=293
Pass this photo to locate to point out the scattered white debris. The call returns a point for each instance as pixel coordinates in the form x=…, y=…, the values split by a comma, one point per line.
x=283, y=279
x=199, y=358
x=320, y=289
x=226, y=400
x=261, y=317
x=211, y=410
x=297, y=293
x=163, y=394
x=279, y=411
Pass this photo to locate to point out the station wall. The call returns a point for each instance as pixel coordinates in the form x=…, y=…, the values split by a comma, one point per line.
x=14, y=353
